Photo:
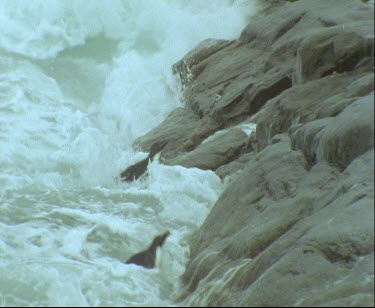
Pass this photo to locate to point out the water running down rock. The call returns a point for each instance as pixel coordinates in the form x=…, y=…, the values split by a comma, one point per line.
x=295, y=223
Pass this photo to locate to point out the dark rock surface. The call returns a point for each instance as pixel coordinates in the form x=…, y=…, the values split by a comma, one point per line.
x=294, y=226
x=219, y=150
x=183, y=130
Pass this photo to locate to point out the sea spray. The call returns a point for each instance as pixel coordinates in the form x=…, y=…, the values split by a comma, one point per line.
x=80, y=80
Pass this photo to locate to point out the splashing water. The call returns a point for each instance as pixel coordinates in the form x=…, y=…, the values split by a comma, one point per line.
x=79, y=81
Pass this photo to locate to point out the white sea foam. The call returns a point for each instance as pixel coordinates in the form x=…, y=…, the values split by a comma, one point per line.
x=80, y=80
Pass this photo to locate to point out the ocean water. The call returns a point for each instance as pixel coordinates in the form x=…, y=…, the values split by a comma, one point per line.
x=80, y=80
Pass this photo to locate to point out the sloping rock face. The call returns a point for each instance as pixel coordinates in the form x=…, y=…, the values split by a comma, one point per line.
x=295, y=223
x=221, y=149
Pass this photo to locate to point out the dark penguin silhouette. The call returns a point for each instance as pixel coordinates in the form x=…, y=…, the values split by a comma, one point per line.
x=133, y=172
x=146, y=258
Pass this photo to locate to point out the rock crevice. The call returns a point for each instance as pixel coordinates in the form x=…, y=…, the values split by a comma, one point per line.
x=294, y=225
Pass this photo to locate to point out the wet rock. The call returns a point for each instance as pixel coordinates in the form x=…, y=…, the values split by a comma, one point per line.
x=206, y=127
x=341, y=139
x=215, y=151
x=234, y=166
x=183, y=129
x=305, y=233
x=175, y=129
x=309, y=101
x=294, y=225
x=188, y=67
x=350, y=134
x=298, y=42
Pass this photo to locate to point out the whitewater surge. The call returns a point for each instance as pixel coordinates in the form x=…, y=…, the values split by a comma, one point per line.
x=80, y=80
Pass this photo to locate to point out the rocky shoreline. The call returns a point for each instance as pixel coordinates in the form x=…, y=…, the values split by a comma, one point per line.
x=295, y=223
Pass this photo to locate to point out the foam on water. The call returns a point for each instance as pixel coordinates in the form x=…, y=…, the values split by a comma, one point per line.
x=80, y=80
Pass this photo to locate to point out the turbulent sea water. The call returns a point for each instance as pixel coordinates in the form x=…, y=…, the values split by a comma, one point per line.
x=80, y=80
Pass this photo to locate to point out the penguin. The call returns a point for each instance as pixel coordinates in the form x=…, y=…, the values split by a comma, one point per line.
x=135, y=171
x=146, y=258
